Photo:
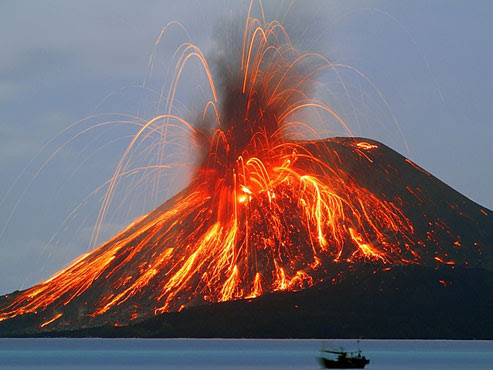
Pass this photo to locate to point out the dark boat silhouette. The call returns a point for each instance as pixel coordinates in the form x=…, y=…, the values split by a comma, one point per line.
x=353, y=360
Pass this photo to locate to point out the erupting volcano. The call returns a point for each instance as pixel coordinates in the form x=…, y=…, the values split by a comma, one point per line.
x=266, y=210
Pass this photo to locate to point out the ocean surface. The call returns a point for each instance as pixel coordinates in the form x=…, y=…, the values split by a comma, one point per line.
x=236, y=353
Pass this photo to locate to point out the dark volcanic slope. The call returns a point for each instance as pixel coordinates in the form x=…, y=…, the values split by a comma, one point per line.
x=447, y=229
x=440, y=215
x=404, y=302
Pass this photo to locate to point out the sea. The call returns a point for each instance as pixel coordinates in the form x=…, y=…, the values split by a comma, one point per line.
x=91, y=353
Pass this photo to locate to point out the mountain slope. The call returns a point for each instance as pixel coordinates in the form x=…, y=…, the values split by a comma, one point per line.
x=338, y=202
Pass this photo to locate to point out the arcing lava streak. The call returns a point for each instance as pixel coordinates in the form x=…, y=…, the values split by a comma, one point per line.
x=263, y=213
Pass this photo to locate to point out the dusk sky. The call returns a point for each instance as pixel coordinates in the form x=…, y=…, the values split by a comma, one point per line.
x=65, y=61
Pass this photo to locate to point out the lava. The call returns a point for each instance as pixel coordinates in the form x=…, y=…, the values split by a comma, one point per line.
x=263, y=213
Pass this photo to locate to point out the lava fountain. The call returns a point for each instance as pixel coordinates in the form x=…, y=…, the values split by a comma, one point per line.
x=263, y=213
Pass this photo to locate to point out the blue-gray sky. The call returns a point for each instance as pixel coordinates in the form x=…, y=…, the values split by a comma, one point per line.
x=63, y=61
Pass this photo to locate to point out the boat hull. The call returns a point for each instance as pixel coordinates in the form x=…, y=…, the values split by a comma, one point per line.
x=347, y=363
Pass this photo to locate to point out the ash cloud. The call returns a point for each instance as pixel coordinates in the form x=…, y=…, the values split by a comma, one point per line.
x=244, y=115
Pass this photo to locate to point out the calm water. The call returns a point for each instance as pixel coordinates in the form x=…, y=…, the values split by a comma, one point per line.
x=235, y=354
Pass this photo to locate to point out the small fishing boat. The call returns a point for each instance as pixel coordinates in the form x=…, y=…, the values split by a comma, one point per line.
x=342, y=360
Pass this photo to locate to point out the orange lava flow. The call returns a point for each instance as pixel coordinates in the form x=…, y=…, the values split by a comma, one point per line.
x=263, y=213
x=46, y=323
x=366, y=146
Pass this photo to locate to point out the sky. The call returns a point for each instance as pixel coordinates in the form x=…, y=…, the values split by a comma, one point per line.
x=426, y=92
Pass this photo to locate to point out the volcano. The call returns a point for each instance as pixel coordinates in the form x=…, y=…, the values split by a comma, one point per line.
x=269, y=211
x=141, y=272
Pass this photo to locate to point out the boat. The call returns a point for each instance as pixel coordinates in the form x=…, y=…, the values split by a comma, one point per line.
x=344, y=360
